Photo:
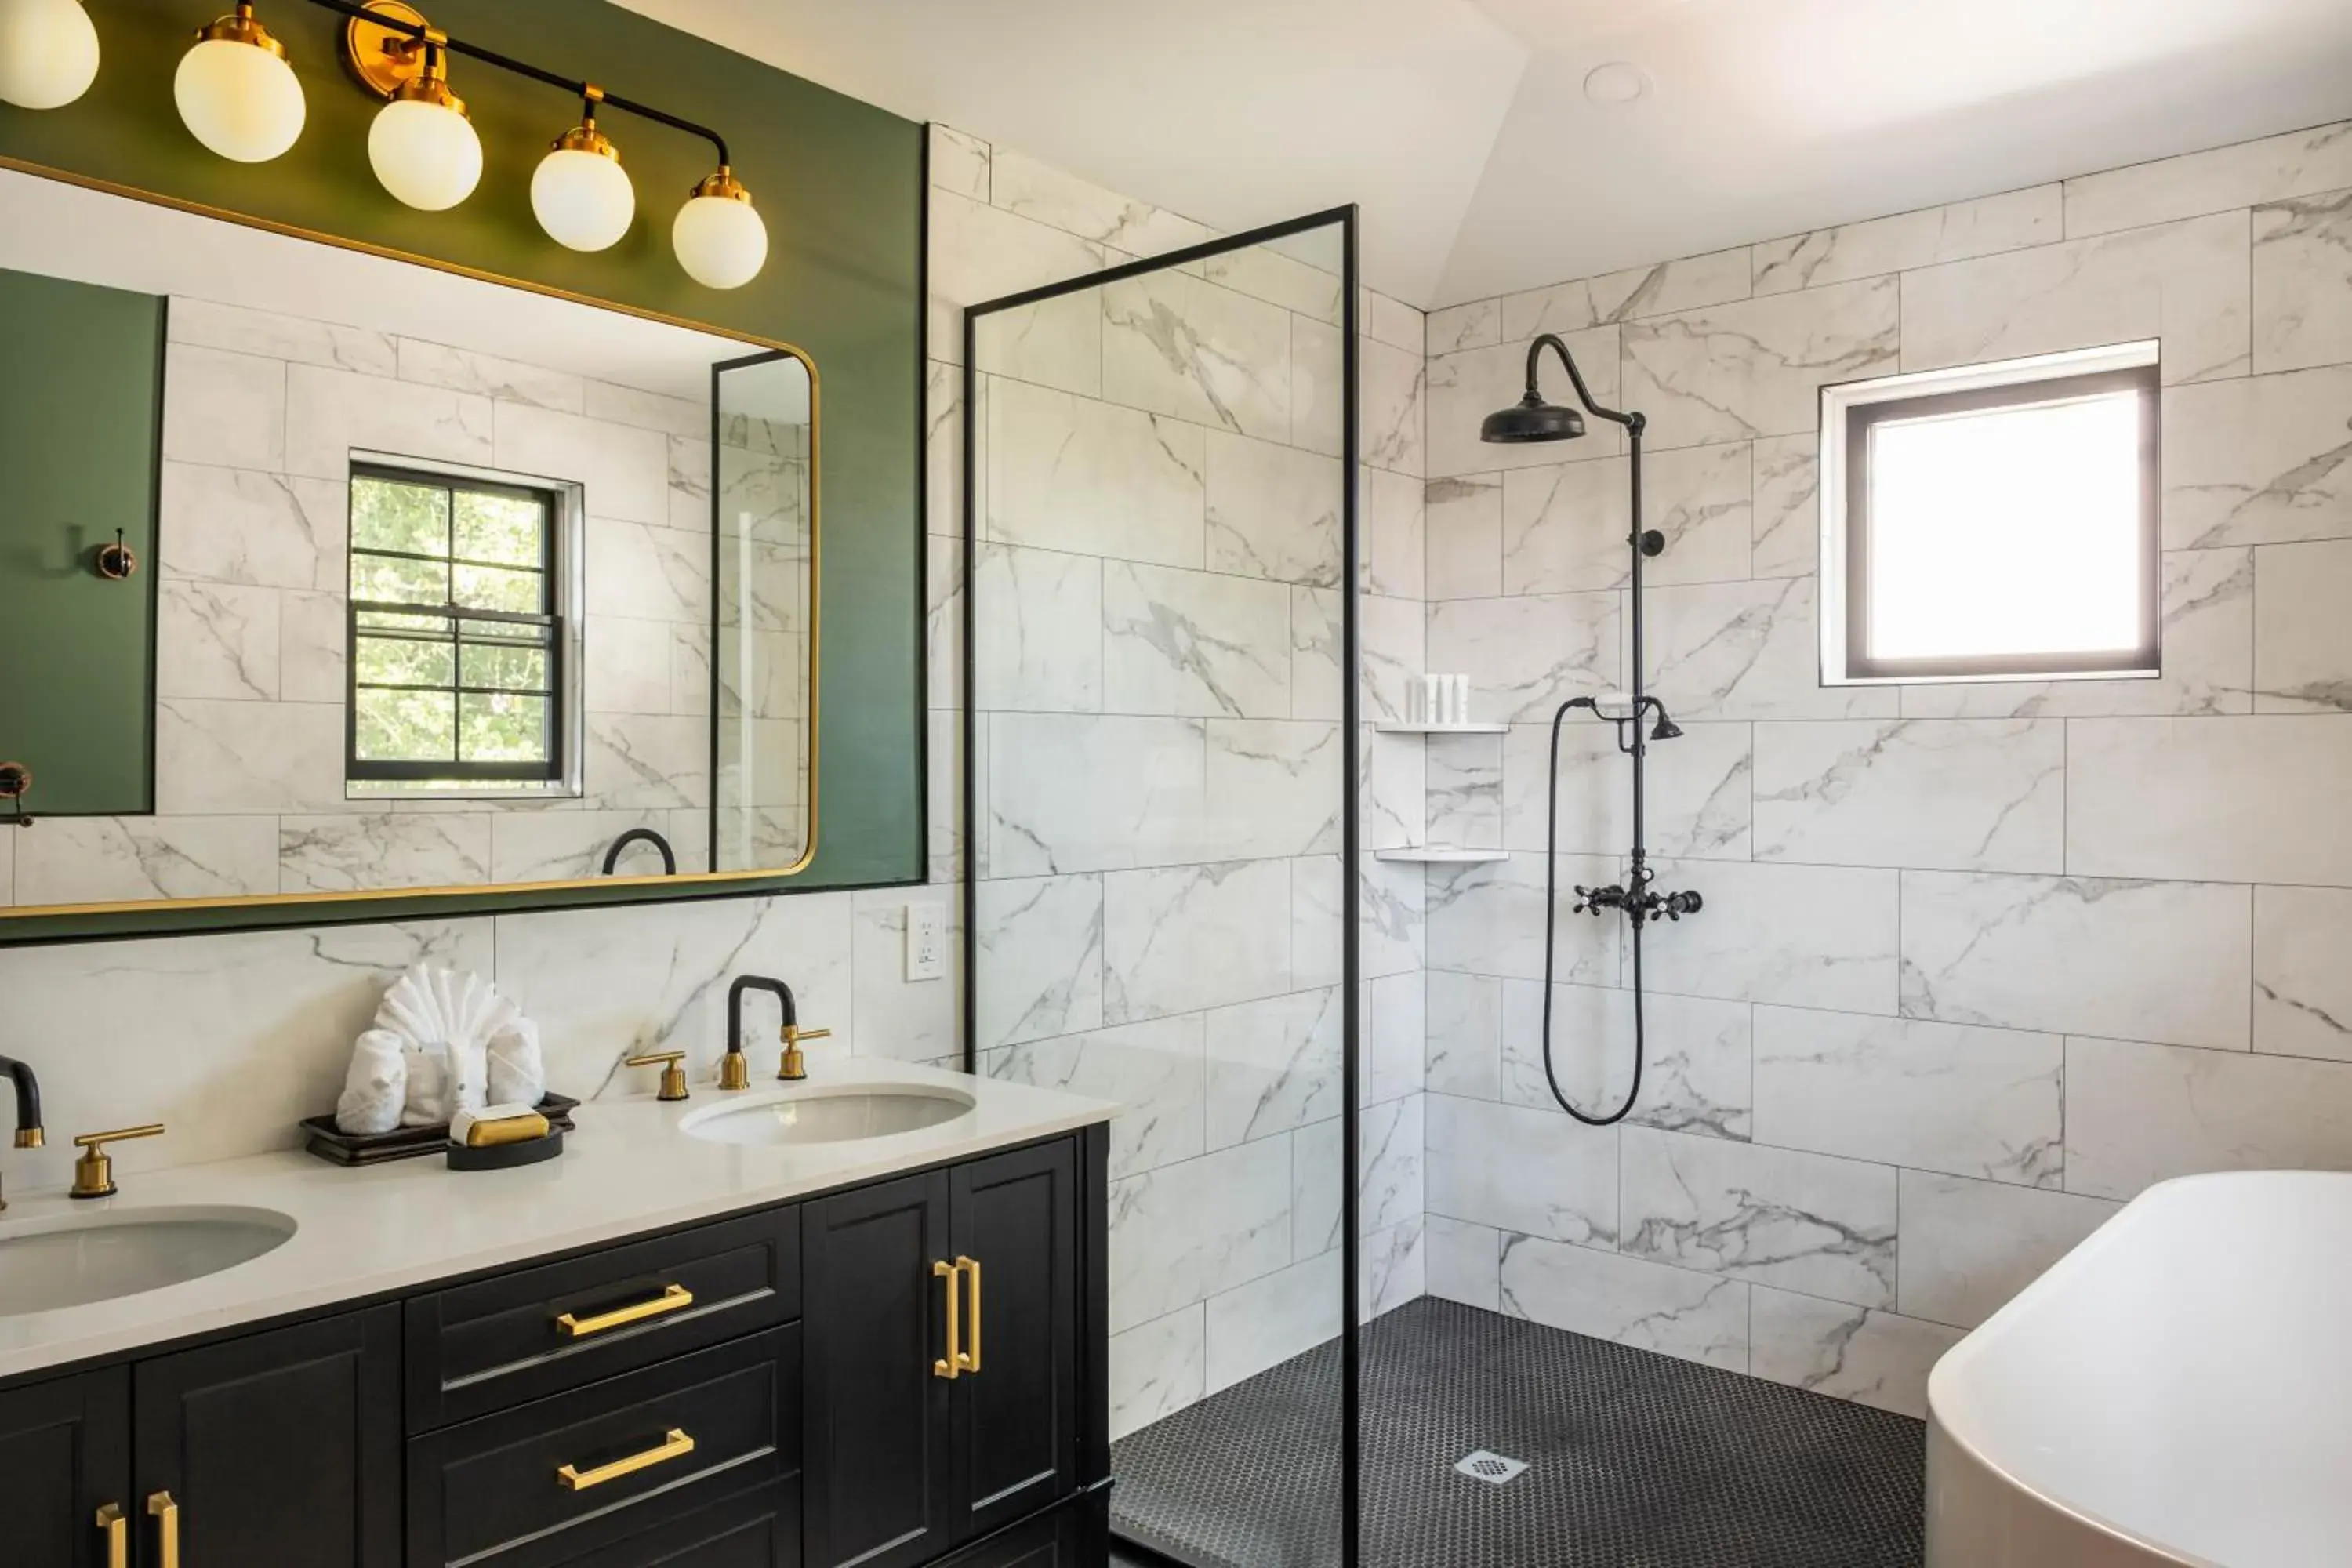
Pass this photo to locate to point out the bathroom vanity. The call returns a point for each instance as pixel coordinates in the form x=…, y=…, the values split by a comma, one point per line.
x=664, y=1347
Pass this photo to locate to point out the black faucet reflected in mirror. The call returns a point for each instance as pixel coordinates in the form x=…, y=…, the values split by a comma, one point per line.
x=641, y=836
x=28, y=1106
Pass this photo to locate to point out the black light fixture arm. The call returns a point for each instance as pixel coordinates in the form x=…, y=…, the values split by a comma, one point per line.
x=1554, y=341
x=585, y=91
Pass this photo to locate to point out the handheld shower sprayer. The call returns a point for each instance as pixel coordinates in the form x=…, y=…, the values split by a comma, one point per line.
x=1534, y=419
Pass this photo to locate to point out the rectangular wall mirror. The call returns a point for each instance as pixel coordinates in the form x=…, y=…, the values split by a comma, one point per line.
x=330, y=574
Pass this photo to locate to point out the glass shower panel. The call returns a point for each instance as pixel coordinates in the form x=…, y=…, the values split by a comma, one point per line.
x=1160, y=526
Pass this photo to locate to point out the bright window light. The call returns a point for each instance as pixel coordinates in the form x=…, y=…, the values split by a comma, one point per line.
x=1995, y=529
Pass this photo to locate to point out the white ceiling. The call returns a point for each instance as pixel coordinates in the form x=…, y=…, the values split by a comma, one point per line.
x=1462, y=128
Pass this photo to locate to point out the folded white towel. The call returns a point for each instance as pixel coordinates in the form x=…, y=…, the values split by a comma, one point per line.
x=443, y=1041
x=376, y=1088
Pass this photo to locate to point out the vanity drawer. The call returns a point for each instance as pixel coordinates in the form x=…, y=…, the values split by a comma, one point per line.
x=560, y=1480
x=523, y=1336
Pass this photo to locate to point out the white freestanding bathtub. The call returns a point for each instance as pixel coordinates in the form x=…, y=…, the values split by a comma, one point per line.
x=2177, y=1390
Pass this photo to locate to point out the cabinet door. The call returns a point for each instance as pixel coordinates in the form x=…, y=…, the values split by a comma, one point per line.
x=280, y=1448
x=1015, y=1216
x=1076, y=1535
x=757, y=1530
x=877, y=1488
x=65, y=1453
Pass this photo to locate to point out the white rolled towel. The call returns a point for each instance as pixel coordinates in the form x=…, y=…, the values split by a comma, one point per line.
x=376, y=1087
x=518, y=1073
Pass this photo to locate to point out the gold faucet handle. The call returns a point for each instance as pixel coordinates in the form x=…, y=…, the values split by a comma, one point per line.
x=94, y=1172
x=794, y=1065
x=673, y=1077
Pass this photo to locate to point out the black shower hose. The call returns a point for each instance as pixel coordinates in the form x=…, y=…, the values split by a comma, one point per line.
x=1551, y=913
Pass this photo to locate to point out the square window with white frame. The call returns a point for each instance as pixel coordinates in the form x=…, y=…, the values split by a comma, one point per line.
x=1994, y=521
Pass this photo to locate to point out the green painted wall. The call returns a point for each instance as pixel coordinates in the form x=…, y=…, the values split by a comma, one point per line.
x=840, y=184
x=79, y=412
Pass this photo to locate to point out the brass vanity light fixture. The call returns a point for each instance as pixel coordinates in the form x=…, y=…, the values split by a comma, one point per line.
x=421, y=145
x=579, y=193
x=237, y=93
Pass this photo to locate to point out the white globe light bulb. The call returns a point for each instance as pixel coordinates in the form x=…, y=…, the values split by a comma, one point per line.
x=581, y=195
x=237, y=94
x=48, y=52
x=426, y=152
x=718, y=238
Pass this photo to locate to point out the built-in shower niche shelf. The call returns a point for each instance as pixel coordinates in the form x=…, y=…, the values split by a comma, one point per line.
x=1441, y=855
x=1388, y=728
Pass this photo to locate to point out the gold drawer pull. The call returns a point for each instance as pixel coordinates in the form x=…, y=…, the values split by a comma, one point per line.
x=117, y=1535
x=673, y=1299
x=952, y=1365
x=970, y=1358
x=676, y=1445
x=167, y=1527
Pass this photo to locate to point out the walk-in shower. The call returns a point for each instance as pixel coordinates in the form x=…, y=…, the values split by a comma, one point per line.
x=1533, y=419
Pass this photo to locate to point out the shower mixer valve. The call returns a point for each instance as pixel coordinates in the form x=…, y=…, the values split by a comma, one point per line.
x=1642, y=907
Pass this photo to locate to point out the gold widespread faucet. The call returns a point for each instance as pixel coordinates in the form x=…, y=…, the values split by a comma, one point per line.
x=94, y=1172
x=734, y=1072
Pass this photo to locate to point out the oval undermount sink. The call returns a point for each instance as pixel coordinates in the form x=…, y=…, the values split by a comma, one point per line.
x=72, y=1261
x=835, y=1113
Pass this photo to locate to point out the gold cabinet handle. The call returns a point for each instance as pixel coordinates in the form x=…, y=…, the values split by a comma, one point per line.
x=952, y=1367
x=676, y=1445
x=166, y=1515
x=968, y=1358
x=117, y=1535
x=673, y=1299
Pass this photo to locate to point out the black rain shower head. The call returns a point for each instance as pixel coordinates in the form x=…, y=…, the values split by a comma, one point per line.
x=1531, y=419
x=1667, y=728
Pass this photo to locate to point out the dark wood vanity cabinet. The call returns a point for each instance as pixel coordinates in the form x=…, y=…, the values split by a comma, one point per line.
x=764, y=1390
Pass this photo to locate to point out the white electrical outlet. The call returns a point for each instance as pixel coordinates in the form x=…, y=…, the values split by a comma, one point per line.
x=926, y=941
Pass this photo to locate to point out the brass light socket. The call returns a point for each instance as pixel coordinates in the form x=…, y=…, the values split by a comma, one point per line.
x=723, y=184
x=585, y=138
x=240, y=27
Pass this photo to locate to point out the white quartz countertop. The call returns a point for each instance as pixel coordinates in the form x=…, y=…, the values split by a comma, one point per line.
x=626, y=1170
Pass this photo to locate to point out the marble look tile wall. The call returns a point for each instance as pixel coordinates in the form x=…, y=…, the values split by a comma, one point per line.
x=261, y=414
x=1978, y=962
x=1158, y=586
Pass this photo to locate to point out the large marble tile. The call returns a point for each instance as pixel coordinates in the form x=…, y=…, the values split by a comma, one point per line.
x=216, y=641
x=1268, y=1321
x=1525, y=656
x=503, y=380
x=943, y=611
x=642, y=573
x=629, y=666
x=1521, y=1170
x=1318, y=387
x=1395, y=548
x=891, y=1015
x=1805, y=936
x=1464, y=1035
x=1698, y=784
x=1273, y=512
x=1186, y=1233
x=2239, y=800
x=1628, y=1301
x=1157, y=1368
x=1564, y=528
x=1477, y=325
x=2303, y=988
x=1747, y=650
x=1969, y=1247
x=1264, y=272
x=1561, y=308
x=2138, y=1114
x=1392, y=396
x=1393, y=647
x=1936, y=1097
x=1195, y=936
x=1156, y=1070
x=1394, y=908
x=608, y=983
x=1466, y=386
x=110, y=860
x=1394, y=1187
x=1847, y=1352
x=270, y=334
x=2208, y=657
x=1771, y=1217
x=980, y=252
x=2011, y=221
x=1039, y=631
x=1318, y=1166
x=1076, y=792
x=229, y=1040
x=1464, y=523
x=2303, y=282
x=215, y=758
x=1273, y=787
x=1194, y=643
x=1684, y=284
x=1037, y=946
x=1462, y=1262
x=2156, y=960
x=685, y=421
x=2260, y=459
x=330, y=413
x=562, y=846
x=2183, y=283
x=1460, y=793
x=2239, y=175
x=1785, y=477
x=1273, y=1065
x=1178, y=345
x=621, y=472
x=1695, y=1062
x=241, y=525
x=959, y=161
x=632, y=761
x=1393, y=1269
x=1044, y=193
x=1318, y=689
x=2302, y=643
x=1756, y=367
x=1970, y=795
x=1395, y=1017
x=352, y=852
x=1487, y=919
x=229, y=409
x=1069, y=473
